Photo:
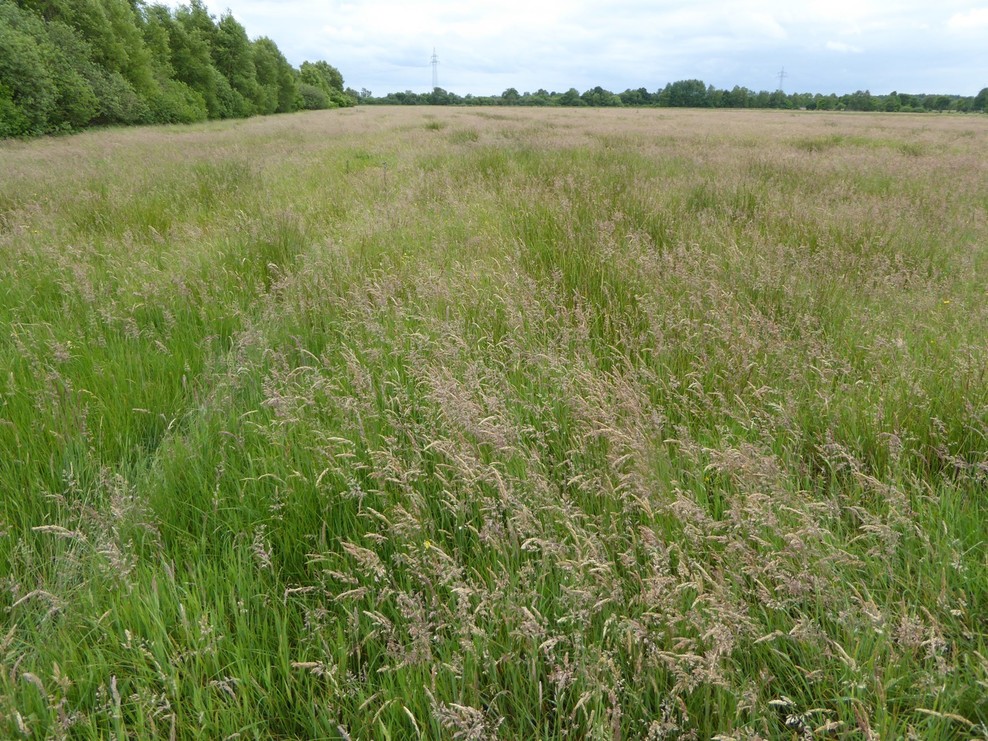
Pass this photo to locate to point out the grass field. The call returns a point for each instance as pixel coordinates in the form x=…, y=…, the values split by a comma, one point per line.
x=478, y=423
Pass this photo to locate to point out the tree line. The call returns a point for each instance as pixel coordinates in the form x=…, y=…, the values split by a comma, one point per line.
x=69, y=64
x=696, y=94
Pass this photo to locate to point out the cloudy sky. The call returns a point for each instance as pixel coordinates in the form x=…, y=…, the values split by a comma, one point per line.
x=485, y=47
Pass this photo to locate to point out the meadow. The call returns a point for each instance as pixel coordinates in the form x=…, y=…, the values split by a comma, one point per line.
x=496, y=423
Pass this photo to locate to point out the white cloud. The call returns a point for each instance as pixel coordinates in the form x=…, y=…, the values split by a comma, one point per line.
x=842, y=47
x=971, y=20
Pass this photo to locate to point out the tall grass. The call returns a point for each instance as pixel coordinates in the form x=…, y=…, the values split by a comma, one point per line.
x=392, y=424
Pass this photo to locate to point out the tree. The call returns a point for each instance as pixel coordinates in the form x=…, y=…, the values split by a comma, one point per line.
x=737, y=97
x=539, y=98
x=191, y=58
x=312, y=98
x=234, y=58
x=571, y=98
x=278, y=87
x=196, y=18
x=438, y=96
x=110, y=28
x=66, y=64
x=688, y=94
x=135, y=64
x=638, y=97
x=175, y=101
x=599, y=97
x=325, y=77
x=322, y=75
x=980, y=102
x=859, y=101
x=801, y=100
x=28, y=94
x=779, y=99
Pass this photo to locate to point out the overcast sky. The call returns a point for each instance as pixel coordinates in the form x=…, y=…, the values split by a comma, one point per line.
x=485, y=47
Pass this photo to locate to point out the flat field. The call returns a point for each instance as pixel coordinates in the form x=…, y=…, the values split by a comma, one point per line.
x=496, y=423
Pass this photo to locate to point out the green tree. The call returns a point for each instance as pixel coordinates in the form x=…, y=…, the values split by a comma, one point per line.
x=83, y=84
x=736, y=97
x=800, y=100
x=322, y=75
x=312, y=98
x=438, y=96
x=779, y=99
x=135, y=64
x=174, y=101
x=539, y=98
x=156, y=23
x=28, y=94
x=234, y=58
x=571, y=98
x=278, y=86
x=980, y=102
x=110, y=28
x=195, y=17
x=190, y=41
x=639, y=97
x=688, y=94
x=65, y=64
x=327, y=78
x=600, y=97
x=859, y=101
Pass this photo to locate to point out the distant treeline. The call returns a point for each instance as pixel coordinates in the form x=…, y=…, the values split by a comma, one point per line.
x=696, y=94
x=69, y=64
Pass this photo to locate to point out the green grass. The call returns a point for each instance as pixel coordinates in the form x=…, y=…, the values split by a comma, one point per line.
x=545, y=424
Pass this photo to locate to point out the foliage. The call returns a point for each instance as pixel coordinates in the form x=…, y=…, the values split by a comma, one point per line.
x=693, y=94
x=234, y=58
x=27, y=85
x=68, y=64
x=980, y=102
x=326, y=78
x=312, y=98
x=278, y=86
x=686, y=94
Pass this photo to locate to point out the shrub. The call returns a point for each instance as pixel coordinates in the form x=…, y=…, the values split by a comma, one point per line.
x=311, y=98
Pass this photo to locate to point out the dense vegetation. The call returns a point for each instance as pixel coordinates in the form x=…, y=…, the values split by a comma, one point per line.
x=69, y=64
x=696, y=94
x=459, y=423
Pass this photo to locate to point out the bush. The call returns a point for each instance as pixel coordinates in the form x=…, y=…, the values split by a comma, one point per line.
x=13, y=122
x=119, y=102
x=176, y=102
x=30, y=92
x=312, y=98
